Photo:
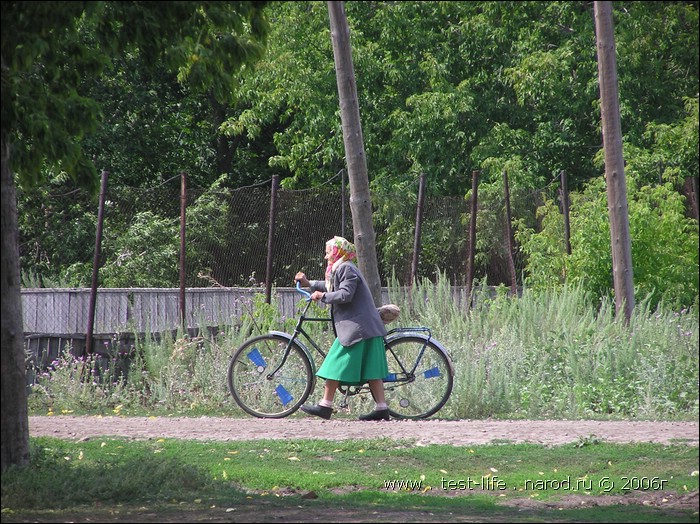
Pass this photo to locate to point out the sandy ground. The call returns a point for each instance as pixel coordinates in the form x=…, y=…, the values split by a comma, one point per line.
x=455, y=432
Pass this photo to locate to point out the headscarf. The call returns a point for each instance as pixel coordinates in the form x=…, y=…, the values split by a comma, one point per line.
x=340, y=251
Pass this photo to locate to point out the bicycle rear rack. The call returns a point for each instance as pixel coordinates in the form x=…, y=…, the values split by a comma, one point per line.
x=410, y=330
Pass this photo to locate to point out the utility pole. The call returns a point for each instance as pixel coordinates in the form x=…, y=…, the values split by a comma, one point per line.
x=355, y=158
x=621, y=243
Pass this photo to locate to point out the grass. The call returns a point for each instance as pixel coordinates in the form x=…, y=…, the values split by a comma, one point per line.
x=370, y=479
x=542, y=355
x=547, y=355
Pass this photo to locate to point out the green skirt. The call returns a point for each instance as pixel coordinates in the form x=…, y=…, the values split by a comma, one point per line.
x=356, y=364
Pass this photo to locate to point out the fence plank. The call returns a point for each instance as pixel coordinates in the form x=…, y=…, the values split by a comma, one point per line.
x=146, y=310
x=65, y=311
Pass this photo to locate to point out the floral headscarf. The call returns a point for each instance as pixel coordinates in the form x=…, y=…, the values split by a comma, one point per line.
x=339, y=250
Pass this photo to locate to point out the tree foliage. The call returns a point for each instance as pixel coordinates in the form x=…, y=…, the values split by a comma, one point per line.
x=48, y=48
x=445, y=88
x=450, y=87
x=664, y=247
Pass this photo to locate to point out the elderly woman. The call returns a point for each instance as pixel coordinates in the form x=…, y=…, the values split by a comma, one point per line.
x=357, y=354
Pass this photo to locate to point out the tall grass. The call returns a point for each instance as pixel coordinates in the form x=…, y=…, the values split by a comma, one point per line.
x=556, y=354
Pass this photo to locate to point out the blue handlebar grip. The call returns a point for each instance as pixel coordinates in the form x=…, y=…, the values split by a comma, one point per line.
x=308, y=295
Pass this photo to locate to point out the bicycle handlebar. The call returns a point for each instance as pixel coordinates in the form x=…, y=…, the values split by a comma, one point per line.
x=303, y=292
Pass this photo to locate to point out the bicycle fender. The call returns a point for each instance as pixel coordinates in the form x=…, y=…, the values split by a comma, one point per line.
x=396, y=336
x=299, y=343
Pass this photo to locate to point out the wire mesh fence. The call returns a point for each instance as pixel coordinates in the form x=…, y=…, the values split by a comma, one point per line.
x=237, y=239
x=228, y=235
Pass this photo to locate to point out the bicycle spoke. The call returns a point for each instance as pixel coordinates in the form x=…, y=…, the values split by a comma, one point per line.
x=420, y=379
x=263, y=384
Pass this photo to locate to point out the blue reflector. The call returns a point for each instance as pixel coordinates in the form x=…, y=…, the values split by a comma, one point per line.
x=391, y=377
x=284, y=395
x=430, y=373
x=256, y=357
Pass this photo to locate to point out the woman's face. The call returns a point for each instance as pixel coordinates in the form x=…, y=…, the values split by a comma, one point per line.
x=329, y=252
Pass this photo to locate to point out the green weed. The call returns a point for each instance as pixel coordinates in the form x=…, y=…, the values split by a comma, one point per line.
x=546, y=354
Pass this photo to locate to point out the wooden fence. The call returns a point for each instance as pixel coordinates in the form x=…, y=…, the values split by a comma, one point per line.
x=143, y=310
x=66, y=311
x=57, y=319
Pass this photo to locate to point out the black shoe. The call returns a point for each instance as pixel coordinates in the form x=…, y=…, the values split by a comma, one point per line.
x=319, y=411
x=377, y=414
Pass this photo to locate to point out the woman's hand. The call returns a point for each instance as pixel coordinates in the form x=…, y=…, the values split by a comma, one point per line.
x=301, y=278
x=317, y=295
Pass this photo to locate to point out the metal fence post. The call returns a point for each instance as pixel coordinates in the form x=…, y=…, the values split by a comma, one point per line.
x=565, y=210
x=95, y=265
x=472, y=236
x=183, y=210
x=270, y=237
x=419, y=221
x=509, y=234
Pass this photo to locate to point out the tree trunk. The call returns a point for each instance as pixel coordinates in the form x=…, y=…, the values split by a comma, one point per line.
x=15, y=423
x=360, y=200
x=614, y=162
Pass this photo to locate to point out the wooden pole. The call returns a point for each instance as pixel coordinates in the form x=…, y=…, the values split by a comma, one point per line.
x=95, y=265
x=419, y=221
x=270, y=238
x=565, y=210
x=472, y=236
x=509, y=237
x=694, y=196
x=355, y=157
x=614, y=161
x=183, y=210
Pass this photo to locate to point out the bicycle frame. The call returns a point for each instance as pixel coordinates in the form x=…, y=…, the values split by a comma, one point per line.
x=299, y=330
x=410, y=375
x=406, y=376
x=414, y=359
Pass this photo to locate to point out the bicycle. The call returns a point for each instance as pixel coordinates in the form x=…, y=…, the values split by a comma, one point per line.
x=272, y=375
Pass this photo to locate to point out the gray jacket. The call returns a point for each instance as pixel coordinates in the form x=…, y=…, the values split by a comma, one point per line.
x=355, y=316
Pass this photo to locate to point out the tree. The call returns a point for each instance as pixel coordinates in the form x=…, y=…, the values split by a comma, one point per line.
x=28, y=32
x=445, y=88
x=360, y=198
x=449, y=87
x=614, y=162
x=47, y=49
x=15, y=424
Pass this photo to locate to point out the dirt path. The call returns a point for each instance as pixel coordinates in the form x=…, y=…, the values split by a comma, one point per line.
x=457, y=432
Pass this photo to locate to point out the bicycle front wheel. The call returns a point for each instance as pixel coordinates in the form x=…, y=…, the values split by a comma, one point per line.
x=264, y=383
x=420, y=377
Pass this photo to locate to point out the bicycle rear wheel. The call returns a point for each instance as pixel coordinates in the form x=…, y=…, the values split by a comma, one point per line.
x=270, y=396
x=420, y=377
